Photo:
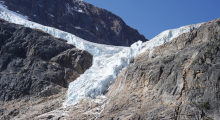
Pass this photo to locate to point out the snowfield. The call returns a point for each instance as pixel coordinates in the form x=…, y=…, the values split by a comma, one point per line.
x=108, y=60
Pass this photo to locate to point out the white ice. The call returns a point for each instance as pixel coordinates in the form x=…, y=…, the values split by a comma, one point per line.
x=167, y=35
x=14, y=13
x=108, y=60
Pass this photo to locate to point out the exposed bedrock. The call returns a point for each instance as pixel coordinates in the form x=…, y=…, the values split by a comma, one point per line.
x=35, y=63
x=179, y=81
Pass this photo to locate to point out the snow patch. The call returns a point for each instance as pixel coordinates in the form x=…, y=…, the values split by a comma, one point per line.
x=151, y=53
x=78, y=27
x=71, y=9
x=40, y=5
x=50, y=14
x=96, y=28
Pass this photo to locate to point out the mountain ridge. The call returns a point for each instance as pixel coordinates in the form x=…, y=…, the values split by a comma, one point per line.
x=80, y=18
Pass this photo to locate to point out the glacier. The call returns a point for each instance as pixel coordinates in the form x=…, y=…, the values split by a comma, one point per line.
x=108, y=60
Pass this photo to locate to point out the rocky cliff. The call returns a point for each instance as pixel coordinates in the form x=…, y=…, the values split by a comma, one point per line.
x=35, y=67
x=79, y=18
x=178, y=81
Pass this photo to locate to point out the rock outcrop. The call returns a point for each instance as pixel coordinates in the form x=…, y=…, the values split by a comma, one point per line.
x=79, y=18
x=179, y=81
x=35, y=66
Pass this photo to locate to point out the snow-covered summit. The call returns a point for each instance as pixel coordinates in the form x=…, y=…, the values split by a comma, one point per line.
x=108, y=60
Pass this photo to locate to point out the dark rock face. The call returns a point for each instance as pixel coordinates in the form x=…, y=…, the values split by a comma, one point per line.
x=35, y=63
x=80, y=18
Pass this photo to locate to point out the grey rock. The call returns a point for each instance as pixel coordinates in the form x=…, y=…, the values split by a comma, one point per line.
x=74, y=59
x=31, y=63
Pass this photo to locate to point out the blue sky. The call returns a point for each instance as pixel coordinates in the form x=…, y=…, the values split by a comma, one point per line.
x=150, y=17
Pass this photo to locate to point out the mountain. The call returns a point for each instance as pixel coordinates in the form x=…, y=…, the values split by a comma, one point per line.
x=179, y=80
x=175, y=75
x=79, y=18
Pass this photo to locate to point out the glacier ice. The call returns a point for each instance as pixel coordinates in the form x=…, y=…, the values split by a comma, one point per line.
x=166, y=36
x=4, y=8
x=108, y=60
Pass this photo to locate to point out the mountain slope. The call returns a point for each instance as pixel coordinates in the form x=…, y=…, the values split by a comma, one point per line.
x=105, y=58
x=79, y=18
x=35, y=66
x=179, y=81
x=176, y=76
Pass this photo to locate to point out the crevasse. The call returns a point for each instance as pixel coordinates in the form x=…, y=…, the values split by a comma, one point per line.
x=108, y=60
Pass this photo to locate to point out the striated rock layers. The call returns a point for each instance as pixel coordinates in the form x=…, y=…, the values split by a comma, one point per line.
x=79, y=18
x=35, y=67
